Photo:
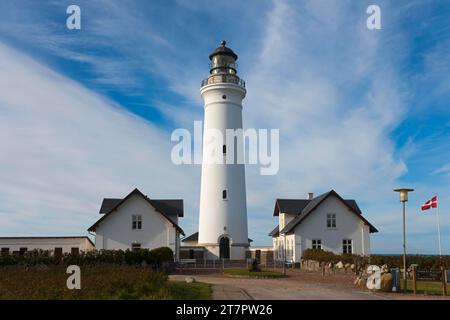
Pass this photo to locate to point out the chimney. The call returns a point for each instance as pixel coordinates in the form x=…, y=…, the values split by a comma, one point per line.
x=310, y=196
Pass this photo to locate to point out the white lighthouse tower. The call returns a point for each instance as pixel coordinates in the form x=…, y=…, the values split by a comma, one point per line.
x=223, y=208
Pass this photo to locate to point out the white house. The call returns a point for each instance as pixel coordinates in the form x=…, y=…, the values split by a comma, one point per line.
x=325, y=222
x=137, y=221
x=55, y=245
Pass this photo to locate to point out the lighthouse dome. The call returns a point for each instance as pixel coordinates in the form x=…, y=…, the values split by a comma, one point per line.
x=223, y=50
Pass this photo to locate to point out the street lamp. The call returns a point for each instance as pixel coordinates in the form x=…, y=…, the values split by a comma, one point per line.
x=284, y=253
x=404, y=198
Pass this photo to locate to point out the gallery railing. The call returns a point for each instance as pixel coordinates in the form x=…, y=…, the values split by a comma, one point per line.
x=223, y=78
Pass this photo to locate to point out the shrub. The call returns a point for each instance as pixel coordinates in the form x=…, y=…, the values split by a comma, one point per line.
x=155, y=258
x=424, y=262
x=323, y=256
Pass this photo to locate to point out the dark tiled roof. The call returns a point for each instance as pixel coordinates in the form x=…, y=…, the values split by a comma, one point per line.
x=194, y=237
x=305, y=207
x=108, y=204
x=275, y=232
x=165, y=207
x=291, y=206
x=170, y=207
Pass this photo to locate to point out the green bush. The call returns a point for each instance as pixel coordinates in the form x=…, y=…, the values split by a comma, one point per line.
x=424, y=262
x=323, y=256
x=155, y=258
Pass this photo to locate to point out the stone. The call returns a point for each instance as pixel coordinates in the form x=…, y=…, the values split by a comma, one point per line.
x=386, y=282
x=352, y=266
x=339, y=265
x=189, y=279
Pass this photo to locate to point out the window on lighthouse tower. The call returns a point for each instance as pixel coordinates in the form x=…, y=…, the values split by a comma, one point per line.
x=224, y=194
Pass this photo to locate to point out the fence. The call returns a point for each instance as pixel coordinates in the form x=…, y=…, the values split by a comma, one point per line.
x=441, y=276
x=220, y=264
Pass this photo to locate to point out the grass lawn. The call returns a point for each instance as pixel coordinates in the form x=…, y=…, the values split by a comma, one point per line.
x=190, y=291
x=103, y=282
x=430, y=287
x=247, y=273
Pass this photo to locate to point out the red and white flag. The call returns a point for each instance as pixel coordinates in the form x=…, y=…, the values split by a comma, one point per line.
x=433, y=203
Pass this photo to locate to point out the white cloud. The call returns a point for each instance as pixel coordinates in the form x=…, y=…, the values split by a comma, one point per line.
x=332, y=87
x=445, y=169
x=64, y=148
x=306, y=83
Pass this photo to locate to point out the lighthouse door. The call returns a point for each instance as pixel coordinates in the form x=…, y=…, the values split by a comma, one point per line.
x=224, y=248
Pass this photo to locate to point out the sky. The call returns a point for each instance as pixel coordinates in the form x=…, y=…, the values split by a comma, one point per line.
x=88, y=114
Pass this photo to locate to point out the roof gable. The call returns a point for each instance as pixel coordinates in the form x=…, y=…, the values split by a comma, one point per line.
x=165, y=207
x=311, y=205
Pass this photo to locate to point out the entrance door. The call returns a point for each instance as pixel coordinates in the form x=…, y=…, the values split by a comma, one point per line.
x=224, y=248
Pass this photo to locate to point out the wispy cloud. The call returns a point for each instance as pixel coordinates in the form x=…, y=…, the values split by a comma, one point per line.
x=64, y=148
x=445, y=169
x=351, y=105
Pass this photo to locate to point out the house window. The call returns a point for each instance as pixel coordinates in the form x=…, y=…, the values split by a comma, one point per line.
x=137, y=222
x=224, y=194
x=331, y=220
x=317, y=244
x=224, y=149
x=191, y=253
x=347, y=246
x=22, y=251
x=5, y=251
x=135, y=246
x=74, y=251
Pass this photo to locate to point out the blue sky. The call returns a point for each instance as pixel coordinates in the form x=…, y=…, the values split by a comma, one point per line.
x=87, y=114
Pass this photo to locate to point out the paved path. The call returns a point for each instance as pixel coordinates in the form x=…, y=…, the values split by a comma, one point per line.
x=298, y=286
x=225, y=288
x=227, y=292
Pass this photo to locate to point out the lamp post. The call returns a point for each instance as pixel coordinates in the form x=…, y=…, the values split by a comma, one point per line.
x=404, y=198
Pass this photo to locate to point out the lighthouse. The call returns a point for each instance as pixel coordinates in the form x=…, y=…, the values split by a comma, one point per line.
x=223, y=206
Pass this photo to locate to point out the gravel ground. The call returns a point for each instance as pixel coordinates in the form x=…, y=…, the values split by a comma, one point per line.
x=301, y=285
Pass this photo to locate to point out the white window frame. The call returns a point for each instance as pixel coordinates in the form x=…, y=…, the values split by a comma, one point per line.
x=316, y=244
x=346, y=245
x=331, y=221
x=136, y=222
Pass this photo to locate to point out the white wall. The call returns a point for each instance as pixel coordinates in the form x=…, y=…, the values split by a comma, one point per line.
x=348, y=226
x=284, y=219
x=115, y=232
x=218, y=217
x=47, y=244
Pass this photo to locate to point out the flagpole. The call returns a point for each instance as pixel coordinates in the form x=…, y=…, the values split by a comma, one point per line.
x=439, y=227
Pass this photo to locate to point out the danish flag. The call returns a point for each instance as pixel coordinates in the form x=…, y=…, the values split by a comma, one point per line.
x=433, y=203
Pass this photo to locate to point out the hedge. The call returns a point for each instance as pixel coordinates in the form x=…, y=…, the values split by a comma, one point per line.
x=153, y=258
x=424, y=262
x=328, y=256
